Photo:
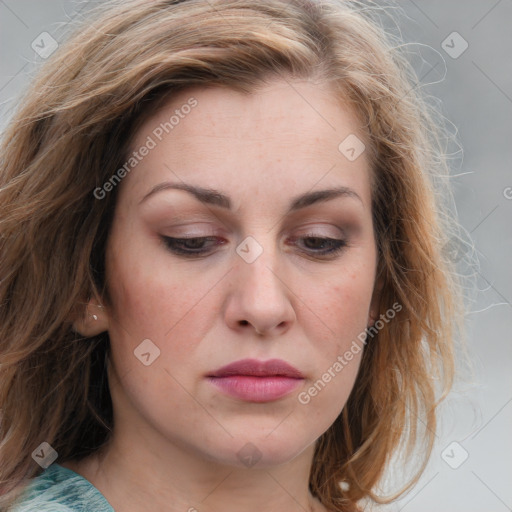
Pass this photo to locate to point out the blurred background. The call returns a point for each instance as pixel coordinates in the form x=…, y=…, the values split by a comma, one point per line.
x=461, y=51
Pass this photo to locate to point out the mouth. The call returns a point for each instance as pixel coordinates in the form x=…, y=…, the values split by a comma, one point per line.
x=257, y=381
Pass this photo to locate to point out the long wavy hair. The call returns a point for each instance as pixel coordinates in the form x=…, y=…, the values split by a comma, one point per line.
x=73, y=128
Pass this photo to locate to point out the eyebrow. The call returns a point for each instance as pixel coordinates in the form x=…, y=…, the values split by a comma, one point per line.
x=217, y=198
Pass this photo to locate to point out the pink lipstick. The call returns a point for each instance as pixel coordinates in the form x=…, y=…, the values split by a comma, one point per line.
x=257, y=381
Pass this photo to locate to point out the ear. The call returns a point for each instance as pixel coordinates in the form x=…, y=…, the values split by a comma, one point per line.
x=94, y=320
x=373, y=314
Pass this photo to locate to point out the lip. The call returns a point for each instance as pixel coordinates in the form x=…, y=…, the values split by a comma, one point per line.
x=255, y=368
x=257, y=381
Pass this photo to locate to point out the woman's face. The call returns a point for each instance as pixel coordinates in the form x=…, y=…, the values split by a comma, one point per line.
x=257, y=283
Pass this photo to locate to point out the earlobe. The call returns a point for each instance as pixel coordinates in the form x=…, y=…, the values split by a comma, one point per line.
x=94, y=320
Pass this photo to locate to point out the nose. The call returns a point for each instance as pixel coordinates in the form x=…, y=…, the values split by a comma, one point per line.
x=260, y=297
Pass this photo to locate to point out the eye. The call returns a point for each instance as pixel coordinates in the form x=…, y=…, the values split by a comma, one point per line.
x=323, y=246
x=198, y=246
x=194, y=246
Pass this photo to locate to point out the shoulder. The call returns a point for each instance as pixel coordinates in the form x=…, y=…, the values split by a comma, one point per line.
x=58, y=489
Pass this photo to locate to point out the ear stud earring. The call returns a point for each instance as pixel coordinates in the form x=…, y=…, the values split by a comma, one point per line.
x=95, y=317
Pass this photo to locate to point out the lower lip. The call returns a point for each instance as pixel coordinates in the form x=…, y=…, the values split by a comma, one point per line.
x=256, y=389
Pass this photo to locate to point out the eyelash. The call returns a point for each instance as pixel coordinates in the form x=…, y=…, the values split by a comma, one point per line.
x=172, y=244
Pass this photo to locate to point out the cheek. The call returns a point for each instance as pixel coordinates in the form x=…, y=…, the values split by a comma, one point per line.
x=163, y=305
x=340, y=318
x=149, y=305
x=147, y=299
x=341, y=307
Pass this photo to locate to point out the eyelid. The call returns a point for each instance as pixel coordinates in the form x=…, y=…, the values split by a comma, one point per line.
x=192, y=230
x=310, y=233
x=205, y=229
x=316, y=230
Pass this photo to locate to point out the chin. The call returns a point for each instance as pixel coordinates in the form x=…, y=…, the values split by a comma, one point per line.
x=259, y=452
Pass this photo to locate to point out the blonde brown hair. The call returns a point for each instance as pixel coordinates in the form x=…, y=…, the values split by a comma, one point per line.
x=73, y=129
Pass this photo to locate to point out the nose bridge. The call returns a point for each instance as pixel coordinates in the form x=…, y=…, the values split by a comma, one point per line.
x=259, y=256
x=261, y=297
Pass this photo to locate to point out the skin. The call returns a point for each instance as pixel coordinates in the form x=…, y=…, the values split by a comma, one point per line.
x=176, y=436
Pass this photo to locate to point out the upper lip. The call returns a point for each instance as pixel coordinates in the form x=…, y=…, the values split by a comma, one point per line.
x=253, y=367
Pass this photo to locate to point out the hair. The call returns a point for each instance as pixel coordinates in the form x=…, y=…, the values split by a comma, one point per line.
x=73, y=128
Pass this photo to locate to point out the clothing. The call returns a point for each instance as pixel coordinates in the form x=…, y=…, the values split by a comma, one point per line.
x=59, y=489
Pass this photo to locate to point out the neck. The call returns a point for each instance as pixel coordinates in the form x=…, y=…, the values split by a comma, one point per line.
x=133, y=479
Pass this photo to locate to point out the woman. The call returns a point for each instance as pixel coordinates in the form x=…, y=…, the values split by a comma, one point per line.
x=222, y=277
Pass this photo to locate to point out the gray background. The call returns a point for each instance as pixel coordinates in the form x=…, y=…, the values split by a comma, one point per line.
x=474, y=91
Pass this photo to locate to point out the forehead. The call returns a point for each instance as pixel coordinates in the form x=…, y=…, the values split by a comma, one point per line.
x=246, y=115
x=285, y=135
